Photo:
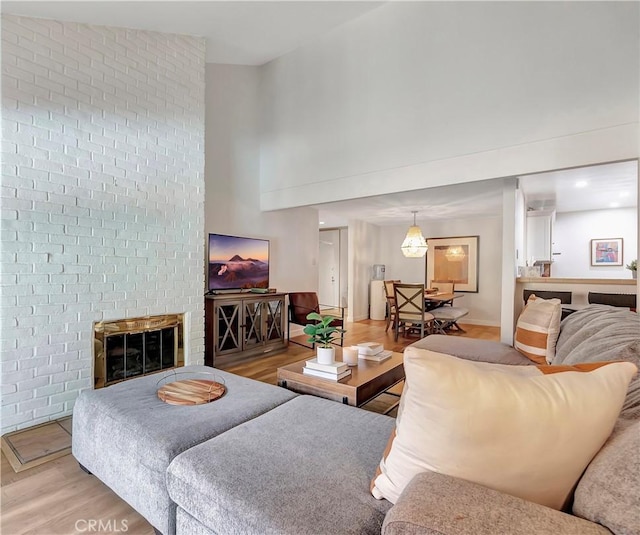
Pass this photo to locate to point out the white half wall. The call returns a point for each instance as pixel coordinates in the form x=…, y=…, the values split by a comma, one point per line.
x=484, y=306
x=509, y=254
x=102, y=212
x=364, y=242
x=572, y=235
x=421, y=94
x=232, y=190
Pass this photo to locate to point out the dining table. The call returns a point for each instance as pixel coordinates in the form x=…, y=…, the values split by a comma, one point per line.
x=437, y=299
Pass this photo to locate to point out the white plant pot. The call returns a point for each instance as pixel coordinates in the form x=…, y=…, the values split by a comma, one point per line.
x=325, y=355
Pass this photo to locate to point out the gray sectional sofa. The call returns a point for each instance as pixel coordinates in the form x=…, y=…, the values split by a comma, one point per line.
x=262, y=460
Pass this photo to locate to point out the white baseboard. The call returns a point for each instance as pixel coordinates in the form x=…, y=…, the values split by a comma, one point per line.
x=484, y=323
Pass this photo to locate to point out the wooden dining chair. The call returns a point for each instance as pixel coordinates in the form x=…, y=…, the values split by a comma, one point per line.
x=410, y=310
x=391, y=302
x=565, y=297
x=443, y=286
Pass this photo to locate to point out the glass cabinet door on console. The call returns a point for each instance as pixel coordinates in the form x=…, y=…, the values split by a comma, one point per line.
x=252, y=332
x=226, y=336
x=274, y=319
x=242, y=325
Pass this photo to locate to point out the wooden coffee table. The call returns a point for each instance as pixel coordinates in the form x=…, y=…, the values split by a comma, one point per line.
x=367, y=380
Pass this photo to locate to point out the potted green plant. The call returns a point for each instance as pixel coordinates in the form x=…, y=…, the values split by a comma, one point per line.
x=322, y=334
x=633, y=266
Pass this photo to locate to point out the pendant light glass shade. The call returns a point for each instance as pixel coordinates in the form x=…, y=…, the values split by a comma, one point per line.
x=414, y=245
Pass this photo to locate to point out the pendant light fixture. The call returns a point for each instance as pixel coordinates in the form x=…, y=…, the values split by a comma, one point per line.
x=414, y=245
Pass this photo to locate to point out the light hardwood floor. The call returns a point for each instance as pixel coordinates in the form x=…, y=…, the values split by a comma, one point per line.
x=57, y=498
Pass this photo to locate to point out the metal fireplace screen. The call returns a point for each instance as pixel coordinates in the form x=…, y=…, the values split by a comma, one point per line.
x=128, y=348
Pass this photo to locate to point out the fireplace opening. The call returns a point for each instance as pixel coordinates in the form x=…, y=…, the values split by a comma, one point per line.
x=128, y=348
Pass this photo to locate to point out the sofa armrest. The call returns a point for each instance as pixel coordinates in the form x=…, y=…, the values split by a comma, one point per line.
x=436, y=504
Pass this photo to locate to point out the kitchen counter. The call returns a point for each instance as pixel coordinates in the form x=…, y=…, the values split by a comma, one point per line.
x=552, y=280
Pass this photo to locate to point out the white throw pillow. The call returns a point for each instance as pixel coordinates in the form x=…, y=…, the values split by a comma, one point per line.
x=538, y=328
x=521, y=430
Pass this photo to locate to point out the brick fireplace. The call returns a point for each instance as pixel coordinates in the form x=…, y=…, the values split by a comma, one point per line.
x=128, y=348
x=104, y=190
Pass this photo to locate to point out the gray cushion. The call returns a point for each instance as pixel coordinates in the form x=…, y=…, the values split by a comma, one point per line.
x=449, y=313
x=437, y=504
x=302, y=468
x=609, y=490
x=127, y=437
x=473, y=349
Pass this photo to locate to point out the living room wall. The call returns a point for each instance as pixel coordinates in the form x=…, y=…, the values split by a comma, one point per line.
x=232, y=188
x=102, y=214
x=420, y=94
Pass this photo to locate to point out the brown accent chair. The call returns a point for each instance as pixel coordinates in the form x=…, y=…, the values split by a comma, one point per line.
x=303, y=303
x=410, y=310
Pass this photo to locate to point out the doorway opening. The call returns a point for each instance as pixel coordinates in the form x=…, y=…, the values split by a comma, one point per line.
x=332, y=267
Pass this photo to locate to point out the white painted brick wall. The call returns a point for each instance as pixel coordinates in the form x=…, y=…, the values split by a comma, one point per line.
x=102, y=199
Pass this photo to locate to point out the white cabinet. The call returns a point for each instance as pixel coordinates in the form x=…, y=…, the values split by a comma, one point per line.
x=378, y=301
x=539, y=229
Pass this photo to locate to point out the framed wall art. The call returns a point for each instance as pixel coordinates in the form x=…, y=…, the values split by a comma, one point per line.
x=606, y=252
x=453, y=259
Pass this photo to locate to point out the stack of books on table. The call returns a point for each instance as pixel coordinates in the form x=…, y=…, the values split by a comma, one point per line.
x=334, y=371
x=373, y=351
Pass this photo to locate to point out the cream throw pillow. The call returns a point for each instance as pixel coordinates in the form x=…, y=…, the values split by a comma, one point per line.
x=516, y=429
x=538, y=329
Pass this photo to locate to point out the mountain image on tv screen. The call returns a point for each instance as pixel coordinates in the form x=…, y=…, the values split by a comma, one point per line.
x=237, y=263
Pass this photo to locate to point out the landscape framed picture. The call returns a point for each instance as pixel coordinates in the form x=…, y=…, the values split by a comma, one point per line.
x=606, y=252
x=453, y=259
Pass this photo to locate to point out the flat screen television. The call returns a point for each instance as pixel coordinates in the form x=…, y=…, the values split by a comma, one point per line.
x=237, y=263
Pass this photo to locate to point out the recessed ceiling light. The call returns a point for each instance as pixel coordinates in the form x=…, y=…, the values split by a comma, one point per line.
x=322, y=222
x=581, y=184
x=614, y=205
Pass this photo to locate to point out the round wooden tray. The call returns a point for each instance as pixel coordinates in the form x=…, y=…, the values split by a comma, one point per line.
x=191, y=392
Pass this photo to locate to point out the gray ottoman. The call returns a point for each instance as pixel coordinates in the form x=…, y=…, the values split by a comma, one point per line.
x=303, y=468
x=126, y=436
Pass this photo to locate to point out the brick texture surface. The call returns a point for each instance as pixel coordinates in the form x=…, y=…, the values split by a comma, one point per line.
x=102, y=199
